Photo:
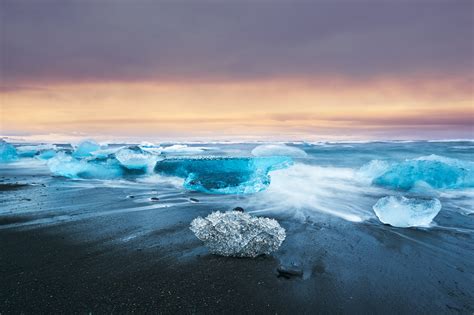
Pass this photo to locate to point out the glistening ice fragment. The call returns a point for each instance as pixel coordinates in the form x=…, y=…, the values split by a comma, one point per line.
x=238, y=234
x=400, y=211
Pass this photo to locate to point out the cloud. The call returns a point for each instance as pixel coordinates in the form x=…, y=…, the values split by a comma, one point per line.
x=145, y=40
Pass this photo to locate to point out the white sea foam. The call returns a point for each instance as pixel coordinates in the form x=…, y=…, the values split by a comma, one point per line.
x=304, y=190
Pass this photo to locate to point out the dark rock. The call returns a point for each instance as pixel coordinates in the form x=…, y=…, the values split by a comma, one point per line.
x=289, y=272
x=239, y=209
x=131, y=196
x=154, y=199
x=194, y=199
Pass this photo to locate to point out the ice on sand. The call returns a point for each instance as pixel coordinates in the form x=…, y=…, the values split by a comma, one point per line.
x=238, y=234
x=400, y=211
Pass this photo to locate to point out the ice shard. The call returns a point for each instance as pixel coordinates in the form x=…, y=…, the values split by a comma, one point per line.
x=238, y=234
x=400, y=211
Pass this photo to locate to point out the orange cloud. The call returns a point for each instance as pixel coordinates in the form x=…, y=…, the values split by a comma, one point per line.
x=284, y=109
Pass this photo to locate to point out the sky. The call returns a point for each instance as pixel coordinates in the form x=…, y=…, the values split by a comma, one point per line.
x=236, y=70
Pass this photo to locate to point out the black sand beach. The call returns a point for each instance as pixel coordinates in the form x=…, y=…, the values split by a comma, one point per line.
x=88, y=249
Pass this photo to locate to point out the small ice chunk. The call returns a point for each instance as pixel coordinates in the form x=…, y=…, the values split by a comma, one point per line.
x=238, y=234
x=278, y=150
x=400, y=211
x=85, y=148
x=8, y=152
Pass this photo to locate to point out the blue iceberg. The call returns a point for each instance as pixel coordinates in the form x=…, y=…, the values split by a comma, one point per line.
x=92, y=168
x=406, y=212
x=8, y=152
x=436, y=171
x=223, y=175
x=85, y=148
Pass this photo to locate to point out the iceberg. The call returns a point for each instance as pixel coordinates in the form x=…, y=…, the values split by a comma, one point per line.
x=85, y=148
x=406, y=212
x=134, y=158
x=8, y=152
x=238, y=234
x=436, y=171
x=223, y=175
x=278, y=150
x=96, y=168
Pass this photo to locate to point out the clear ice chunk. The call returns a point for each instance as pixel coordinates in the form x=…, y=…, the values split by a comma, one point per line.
x=223, y=175
x=8, y=152
x=278, y=150
x=400, y=211
x=85, y=148
x=238, y=234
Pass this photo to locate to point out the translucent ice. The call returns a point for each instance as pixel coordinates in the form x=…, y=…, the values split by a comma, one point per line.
x=7, y=152
x=278, y=150
x=405, y=212
x=134, y=158
x=69, y=166
x=223, y=175
x=238, y=234
x=85, y=148
x=436, y=171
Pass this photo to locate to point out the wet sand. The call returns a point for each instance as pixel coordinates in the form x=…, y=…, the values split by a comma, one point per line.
x=80, y=248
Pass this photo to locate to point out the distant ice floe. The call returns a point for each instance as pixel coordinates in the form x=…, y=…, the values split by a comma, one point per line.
x=404, y=212
x=8, y=152
x=223, y=175
x=238, y=234
x=278, y=150
x=436, y=171
x=182, y=148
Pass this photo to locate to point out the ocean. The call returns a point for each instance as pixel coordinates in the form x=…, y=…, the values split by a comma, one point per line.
x=119, y=198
